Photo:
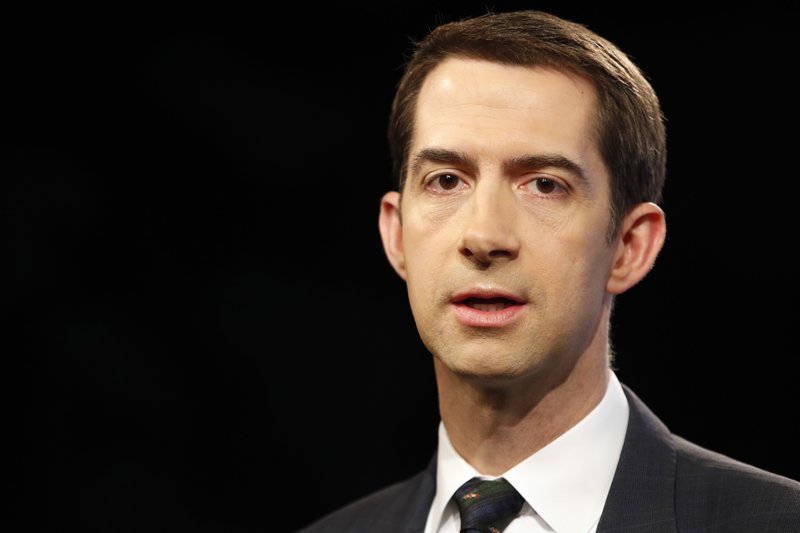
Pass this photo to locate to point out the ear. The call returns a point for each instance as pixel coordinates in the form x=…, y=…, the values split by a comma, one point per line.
x=640, y=240
x=391, y=228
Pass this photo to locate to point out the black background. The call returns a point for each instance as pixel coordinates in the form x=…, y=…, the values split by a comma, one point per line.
x=201, y=327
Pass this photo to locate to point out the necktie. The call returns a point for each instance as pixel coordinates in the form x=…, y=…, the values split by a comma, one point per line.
x=487, y=506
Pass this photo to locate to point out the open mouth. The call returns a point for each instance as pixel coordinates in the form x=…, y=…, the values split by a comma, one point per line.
x=484, y=308
x=489, y=304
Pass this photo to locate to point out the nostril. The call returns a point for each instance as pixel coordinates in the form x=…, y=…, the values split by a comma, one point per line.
x=499, y=253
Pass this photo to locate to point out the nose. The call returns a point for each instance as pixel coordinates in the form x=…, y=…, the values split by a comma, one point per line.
x=490, y=233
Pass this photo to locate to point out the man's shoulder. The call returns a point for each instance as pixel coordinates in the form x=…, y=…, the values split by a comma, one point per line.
x=710, y=491
x=696, y=463
x=707, y=480
x=406, y=501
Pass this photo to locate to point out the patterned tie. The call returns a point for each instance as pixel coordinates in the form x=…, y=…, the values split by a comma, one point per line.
x=487, y=506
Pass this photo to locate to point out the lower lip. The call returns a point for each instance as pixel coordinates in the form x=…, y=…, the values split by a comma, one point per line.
x=470, y=316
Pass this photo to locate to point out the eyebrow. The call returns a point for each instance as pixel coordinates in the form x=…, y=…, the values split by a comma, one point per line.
x=523, y=162
x=440, y=155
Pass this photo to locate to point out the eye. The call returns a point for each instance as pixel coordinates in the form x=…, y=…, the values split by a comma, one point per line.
x=545, y=186
x=445, y=182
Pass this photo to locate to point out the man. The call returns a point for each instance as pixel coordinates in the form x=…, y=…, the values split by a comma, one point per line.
x=531, y=157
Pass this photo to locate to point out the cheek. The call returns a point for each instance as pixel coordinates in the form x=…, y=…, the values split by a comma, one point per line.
x=426, y=238
x=424, y=256
x=578, y=264
x=547, y=217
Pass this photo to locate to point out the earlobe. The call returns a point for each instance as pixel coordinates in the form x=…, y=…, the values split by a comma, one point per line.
x=640, y=240
x=391, y=228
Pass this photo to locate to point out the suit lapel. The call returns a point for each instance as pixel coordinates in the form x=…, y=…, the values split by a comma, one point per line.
x=410, y=512
x=642, y=495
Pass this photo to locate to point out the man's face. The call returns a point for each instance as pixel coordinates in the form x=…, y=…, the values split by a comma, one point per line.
x=504, y=215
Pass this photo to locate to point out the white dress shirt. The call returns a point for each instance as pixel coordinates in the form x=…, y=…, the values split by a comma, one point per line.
x=565, y=484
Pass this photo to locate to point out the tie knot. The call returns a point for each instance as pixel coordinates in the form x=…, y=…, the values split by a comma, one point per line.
x=487, y=506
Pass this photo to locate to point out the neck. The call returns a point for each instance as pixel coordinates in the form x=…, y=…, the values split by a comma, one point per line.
x=496, y=426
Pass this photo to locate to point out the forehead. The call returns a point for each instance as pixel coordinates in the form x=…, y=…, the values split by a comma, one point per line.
x=482, y=105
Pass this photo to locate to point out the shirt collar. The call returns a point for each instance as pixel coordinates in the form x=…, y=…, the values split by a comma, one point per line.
x=567, y=481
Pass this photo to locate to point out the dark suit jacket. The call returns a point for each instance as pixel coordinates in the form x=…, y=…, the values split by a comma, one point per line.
x=663, y=484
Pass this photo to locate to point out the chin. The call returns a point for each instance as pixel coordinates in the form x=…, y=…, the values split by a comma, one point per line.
x=486, y=369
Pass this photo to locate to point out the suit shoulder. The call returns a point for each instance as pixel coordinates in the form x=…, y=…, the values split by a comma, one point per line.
x=715, y=492
x=371, y=512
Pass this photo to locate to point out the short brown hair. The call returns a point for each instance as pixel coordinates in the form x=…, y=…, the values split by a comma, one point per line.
x=630, y=125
